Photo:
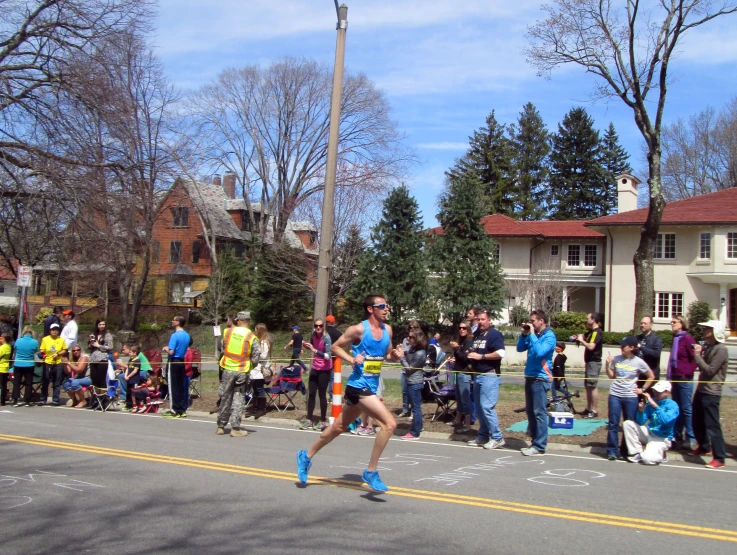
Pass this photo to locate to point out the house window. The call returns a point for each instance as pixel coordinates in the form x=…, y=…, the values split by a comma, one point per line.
x=313, y=238
x=496, y=252
x=177, y=289
x=195, y=252
x=155, y=248
x=589, y=255
x=574, y=255
x=554, y=250
x=732, y=245
x=246, y=221
x=665, y=246
x=668, y=305
x=239, y=250
x=175, y=252
x=705, y=246
x=181, y=216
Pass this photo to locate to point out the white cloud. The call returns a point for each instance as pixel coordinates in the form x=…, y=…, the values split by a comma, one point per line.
x=446, y=145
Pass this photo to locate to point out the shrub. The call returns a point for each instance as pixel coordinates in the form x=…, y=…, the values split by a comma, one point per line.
x=43, y=313
x=570, y=320
x=698, y=311
x=518, y=315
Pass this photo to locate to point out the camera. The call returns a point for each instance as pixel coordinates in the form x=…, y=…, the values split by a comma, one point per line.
x=573, y=339
x=526, y=327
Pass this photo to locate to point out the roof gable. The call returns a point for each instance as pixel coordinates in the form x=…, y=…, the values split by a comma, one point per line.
x=499, y=225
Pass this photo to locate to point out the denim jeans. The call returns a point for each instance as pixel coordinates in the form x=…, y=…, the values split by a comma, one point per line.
x=73, y=384
x=618, y=406
x=52, y=374
x=486, y=394
x=536, y=400
x=122, y=387
x=405, y=394
x=682, y=393
x=414, y=391
x=463, y=394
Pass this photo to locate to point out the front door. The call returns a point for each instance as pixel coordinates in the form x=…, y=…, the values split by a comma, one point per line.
x=732, y=312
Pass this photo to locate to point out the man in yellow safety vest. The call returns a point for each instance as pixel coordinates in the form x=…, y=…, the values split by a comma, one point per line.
x=241, y=350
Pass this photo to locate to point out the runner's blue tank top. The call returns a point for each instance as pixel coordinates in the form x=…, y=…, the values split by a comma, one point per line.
x=367, y=374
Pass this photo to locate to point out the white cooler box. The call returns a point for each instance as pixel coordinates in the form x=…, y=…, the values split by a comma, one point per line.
x=560, y=420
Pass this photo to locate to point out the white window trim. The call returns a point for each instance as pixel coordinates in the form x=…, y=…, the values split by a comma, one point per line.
x=551, y=251
x=711, y=244
x=580, y=255
x=662, y=250
x=660, y=320
x=583, y=257
x=727, y=258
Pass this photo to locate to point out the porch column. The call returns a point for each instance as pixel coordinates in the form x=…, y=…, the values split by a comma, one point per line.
x=597, y=295
x=564, y=308
x=723, y=301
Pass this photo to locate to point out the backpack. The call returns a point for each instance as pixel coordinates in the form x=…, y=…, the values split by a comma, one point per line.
x=192, y=359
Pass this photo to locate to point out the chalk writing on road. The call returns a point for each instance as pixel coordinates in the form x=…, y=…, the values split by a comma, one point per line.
x=472, y=471
x=564, y=477
x=385, y=463
x=16, y=491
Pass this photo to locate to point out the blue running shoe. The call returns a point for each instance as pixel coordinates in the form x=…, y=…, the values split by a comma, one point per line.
x=373, y=480
x=303, y=466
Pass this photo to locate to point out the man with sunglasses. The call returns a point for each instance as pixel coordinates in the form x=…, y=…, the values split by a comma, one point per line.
x=370, y=343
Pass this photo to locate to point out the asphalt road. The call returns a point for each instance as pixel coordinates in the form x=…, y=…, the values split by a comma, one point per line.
x=73, y=480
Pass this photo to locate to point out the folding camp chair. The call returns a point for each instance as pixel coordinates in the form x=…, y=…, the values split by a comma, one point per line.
x=192, y=366
x=443, y=393
x=104, y=392
x=287, y=384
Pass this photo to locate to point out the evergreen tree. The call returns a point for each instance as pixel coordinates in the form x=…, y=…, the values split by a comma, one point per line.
x=578, y=183
x=462, y=256
x=345, y=264
x=615, y=161
x=531, y=145
x=489, y=159
x=394, y=264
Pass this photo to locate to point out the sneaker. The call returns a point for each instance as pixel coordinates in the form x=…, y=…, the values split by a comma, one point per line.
x=612, y=457
x=531, y=452
x=462, y=430
x=475, y=443
x=404, y=414
x=453, y=423
x=306, y=425
x=373, y=480
x=170, y=415
x=324, y=425
x=591, y=415
x=366, y=431
x=55, y=404
x=409, y=437
x=18, y=404
x=182, y=415
x=699, y=451
x=303, y=466
x=715, y=464
x=635, y=458
x=125, y=409
x=494, y=444
x=584, y=412
x=220, y=431
x=236, y=432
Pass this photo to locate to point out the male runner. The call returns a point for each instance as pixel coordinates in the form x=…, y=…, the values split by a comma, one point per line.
x=371, y=344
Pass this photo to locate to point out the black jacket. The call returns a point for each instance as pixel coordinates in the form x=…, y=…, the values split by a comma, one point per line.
x=651, y=346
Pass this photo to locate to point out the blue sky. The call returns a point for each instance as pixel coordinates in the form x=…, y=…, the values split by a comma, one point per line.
x=444, y=65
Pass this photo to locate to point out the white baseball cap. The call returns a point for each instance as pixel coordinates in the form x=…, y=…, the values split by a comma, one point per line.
x=717, y=327
x=662, y=385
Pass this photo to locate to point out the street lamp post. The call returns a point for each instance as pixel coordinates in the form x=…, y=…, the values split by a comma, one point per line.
x=324, y=262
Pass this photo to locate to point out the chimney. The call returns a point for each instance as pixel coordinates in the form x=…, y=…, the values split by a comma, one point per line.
x=229, y=184
x=626, y=192
x=216, y=180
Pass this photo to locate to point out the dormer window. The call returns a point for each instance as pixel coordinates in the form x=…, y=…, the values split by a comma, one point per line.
x=246, y=221
x=313, y=238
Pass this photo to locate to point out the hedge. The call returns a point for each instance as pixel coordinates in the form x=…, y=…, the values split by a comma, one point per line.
x=613, y=337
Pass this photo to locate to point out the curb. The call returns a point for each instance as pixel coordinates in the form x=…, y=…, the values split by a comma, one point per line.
x=512, y=443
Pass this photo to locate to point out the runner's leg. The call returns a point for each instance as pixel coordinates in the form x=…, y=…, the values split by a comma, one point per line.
x=347, y=415
x=378, y=411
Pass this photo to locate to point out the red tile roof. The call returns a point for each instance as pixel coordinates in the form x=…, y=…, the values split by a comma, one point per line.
x=498, y=225
x=712, y=208
x=6, y=274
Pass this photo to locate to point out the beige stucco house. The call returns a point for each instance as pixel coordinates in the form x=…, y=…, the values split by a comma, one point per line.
x=695, y=259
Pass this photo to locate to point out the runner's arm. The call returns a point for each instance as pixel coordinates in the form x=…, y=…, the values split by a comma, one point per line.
x=351, y=335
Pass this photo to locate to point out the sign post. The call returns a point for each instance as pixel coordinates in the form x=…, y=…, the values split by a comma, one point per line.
x=23, y=281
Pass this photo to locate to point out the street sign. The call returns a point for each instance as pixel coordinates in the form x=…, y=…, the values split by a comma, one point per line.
x=24, y=276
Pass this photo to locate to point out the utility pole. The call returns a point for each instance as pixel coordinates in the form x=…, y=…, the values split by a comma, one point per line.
x=324, y=262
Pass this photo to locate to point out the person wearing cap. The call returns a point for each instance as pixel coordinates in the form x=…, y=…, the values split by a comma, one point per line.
x=241, y=352
x=296, y=345
x=624, y=370
x=52, y=348
x=651, y=434
x=712, y=360
x=70, y=331
x=177, y=347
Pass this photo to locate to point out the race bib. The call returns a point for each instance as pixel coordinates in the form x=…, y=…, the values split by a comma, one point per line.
x=372, y=367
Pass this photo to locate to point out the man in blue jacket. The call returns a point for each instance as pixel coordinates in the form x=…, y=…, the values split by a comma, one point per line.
x=539, y=342
x=653, y=426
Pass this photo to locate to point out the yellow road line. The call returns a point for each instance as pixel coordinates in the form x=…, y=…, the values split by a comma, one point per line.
x=470, y=501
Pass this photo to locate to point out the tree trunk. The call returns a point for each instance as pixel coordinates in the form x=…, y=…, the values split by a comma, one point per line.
x=643, y=259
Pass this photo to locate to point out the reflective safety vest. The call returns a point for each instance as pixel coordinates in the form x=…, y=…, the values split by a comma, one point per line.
x=237, y=347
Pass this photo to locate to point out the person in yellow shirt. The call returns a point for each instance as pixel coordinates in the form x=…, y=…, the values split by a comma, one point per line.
x=52, y=349
x=5, y=352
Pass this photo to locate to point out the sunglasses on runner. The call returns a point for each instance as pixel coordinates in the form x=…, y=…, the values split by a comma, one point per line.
x=381, y=306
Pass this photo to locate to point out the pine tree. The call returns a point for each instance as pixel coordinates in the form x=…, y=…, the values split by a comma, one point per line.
x=615, y=161
x=394, y=264
x=227, y=290
x=345, y=263
x=489, y=159
x=578, y=183
x=531, y=145
x=462, y=256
